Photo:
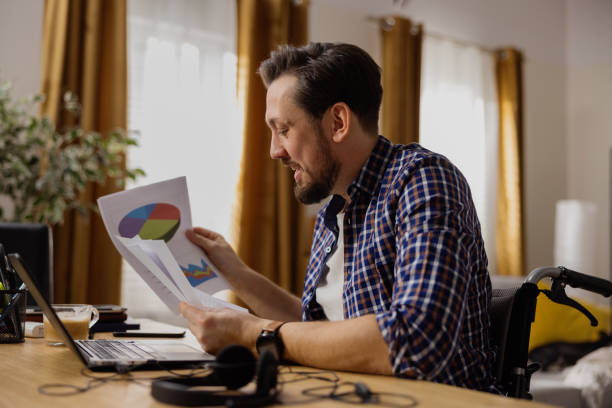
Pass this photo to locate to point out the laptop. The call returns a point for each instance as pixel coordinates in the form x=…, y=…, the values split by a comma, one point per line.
x=116, y=355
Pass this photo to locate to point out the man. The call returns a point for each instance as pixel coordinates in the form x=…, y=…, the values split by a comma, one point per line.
x=397, y=280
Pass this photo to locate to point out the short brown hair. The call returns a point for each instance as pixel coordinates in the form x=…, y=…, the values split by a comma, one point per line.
x=329, y=73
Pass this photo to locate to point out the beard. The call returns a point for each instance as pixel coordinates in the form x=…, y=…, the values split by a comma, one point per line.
x=326, y=175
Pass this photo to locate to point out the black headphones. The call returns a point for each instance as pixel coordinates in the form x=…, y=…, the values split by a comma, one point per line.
x=234, y=367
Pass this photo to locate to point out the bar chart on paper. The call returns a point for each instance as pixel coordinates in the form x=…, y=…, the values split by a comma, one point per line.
x=197, y=274
x=151, y=221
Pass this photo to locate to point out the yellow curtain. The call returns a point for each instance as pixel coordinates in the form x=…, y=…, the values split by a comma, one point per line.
x=401, y=77
x=509, y=231
x=271, y=230
x=84, y=51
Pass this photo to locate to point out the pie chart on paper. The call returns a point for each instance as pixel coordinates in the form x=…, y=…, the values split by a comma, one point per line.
x=151, y=221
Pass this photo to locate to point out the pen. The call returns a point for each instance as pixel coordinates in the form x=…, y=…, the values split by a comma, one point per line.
x=17, y=295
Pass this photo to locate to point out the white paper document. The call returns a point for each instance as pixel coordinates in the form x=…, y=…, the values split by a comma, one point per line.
x=147, y=225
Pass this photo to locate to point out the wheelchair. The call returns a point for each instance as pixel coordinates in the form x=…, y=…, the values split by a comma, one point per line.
x=512, y=312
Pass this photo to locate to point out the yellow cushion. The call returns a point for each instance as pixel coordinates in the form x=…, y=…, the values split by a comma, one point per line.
x=555, y=322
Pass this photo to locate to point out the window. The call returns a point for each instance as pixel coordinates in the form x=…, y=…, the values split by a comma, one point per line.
x=459, y=119
x=182, y=107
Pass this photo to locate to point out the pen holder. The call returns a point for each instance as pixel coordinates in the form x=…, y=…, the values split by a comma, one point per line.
x=12, y=315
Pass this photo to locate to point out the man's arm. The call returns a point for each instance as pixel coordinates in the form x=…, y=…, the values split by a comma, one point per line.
x=351, y=345
x=263, y=296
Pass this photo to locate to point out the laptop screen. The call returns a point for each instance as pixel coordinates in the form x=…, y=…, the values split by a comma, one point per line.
x=42, y=302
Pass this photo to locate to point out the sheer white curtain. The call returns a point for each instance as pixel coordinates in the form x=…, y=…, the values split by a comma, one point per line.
x=459, y=119
x=182, y=104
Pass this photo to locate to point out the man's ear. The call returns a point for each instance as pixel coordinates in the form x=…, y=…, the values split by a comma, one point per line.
x=340, y=121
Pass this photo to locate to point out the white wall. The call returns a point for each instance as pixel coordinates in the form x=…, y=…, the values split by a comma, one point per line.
x=589, y=113
x=535, y=27
x=20, y=44
x=331, y=22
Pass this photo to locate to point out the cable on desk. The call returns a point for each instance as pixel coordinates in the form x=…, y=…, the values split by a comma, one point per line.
x=64, y=390
x=343, y=391
x=359, y=393
x=322, y=375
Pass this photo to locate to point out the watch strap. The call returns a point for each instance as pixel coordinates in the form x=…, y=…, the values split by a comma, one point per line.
x=273, y=326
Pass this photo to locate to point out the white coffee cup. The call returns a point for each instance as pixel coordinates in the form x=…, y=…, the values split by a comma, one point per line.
x=77, y=318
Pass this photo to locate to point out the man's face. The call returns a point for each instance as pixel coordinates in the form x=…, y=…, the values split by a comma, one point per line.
x=300, y=142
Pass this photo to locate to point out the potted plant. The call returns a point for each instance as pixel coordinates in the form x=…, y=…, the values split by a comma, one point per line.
x=44, y=169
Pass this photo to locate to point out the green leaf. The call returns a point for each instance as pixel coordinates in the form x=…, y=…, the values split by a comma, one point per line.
x=71, y=158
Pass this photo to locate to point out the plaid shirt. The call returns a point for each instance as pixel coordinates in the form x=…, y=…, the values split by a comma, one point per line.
x=413, y=256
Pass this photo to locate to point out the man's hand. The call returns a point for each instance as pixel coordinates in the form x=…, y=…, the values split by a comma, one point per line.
x=217, y=328
x=217, y=249
x=262, y=296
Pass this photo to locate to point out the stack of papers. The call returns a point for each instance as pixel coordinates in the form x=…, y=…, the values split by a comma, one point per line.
x=147, y=225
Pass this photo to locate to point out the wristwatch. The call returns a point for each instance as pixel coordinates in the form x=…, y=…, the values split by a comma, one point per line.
x=269, y=339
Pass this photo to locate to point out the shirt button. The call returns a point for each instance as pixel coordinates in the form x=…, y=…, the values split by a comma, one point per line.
x=328, y=250
x=348, y=221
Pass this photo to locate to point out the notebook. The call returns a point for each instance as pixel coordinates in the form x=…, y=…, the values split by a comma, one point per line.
x=117, y=355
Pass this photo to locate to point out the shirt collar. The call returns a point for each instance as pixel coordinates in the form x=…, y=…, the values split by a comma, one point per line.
x=367, y=180
x=373, y=170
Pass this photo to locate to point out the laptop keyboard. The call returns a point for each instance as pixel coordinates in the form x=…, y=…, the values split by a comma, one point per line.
x=114, y=350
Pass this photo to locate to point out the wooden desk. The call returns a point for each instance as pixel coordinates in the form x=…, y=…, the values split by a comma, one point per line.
x=26, y=366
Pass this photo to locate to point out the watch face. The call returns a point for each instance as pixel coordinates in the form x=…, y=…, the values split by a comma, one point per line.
x=269, y=340
x=265, y=338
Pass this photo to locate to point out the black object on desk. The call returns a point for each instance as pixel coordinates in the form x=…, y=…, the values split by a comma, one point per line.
x=101, y=326
x=113, y=319
x=149, y=334
x=33, y=243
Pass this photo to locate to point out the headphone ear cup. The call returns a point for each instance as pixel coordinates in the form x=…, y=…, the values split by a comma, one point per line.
x=234, y=366
x=267, y=373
